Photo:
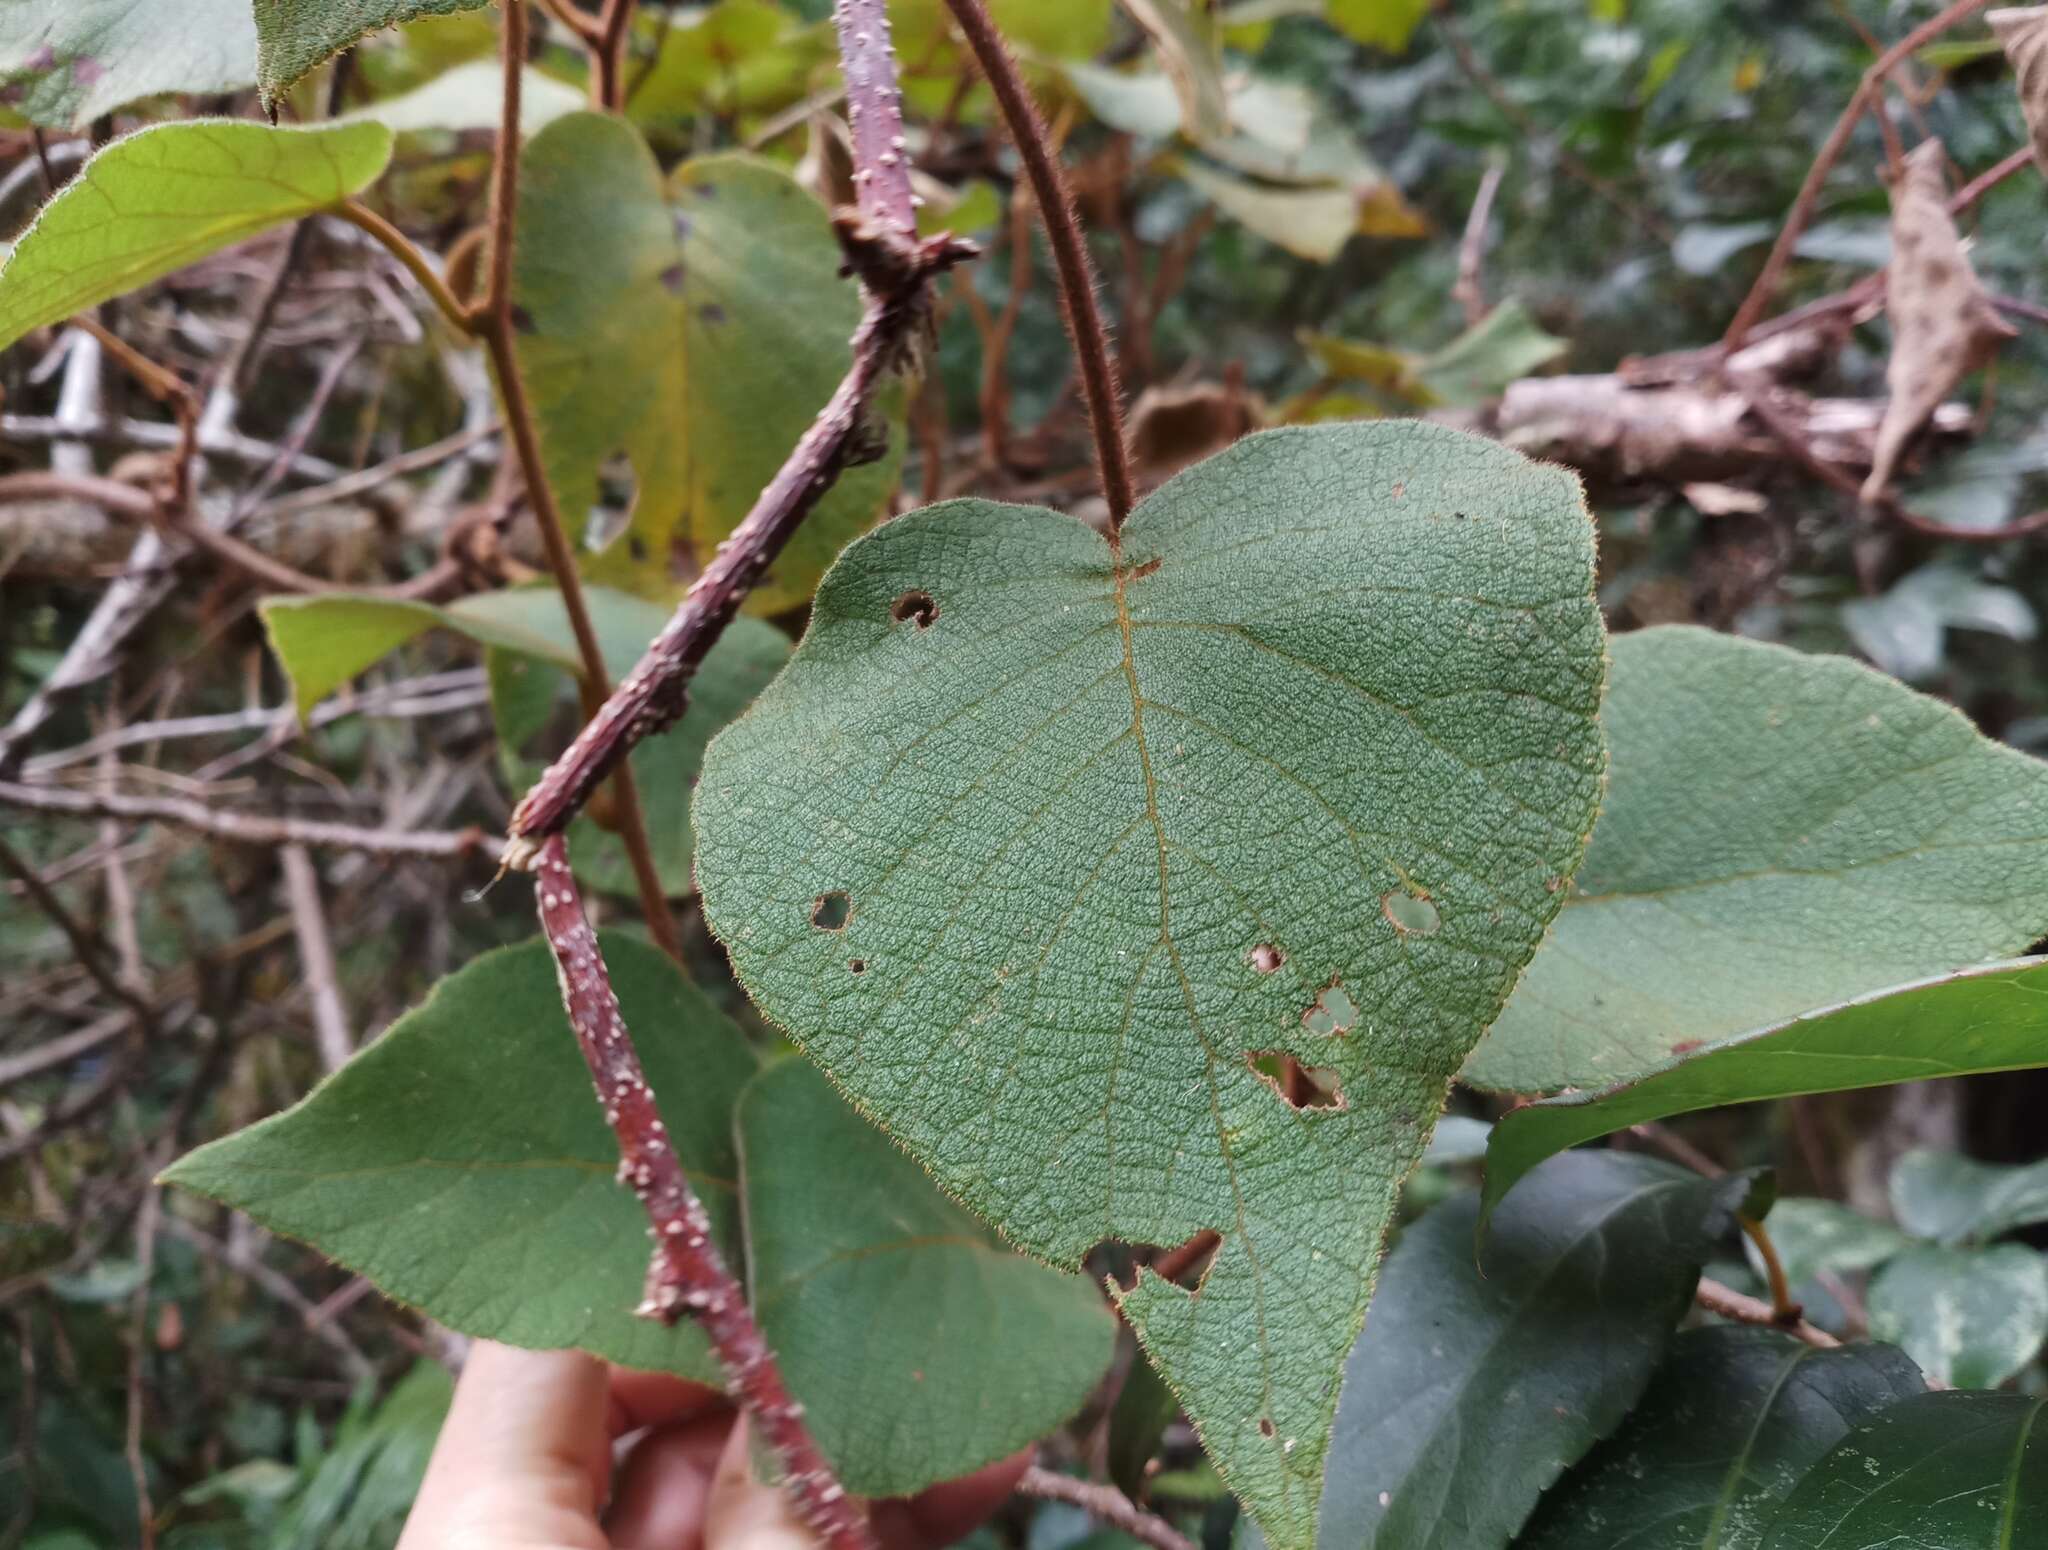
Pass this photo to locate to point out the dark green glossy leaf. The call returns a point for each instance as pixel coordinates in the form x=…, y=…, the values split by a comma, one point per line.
x=1733, y=1419
x=1962, y=1471
x=1781, y=832
x=921, y=1348
x=1990, y=1019
x=1475, y=1385
x=1299, y=768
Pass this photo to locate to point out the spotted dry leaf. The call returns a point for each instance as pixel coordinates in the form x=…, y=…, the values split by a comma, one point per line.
x=2023, y=31
x=1943, y=323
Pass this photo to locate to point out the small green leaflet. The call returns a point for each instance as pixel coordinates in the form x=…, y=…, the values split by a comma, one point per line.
x=168, y=196
x=1972, y=1317
x=1039, y=845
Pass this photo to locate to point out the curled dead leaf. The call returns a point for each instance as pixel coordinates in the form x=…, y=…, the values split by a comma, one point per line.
x=1174, y=426
x=1943, y=323
x=2022, y=30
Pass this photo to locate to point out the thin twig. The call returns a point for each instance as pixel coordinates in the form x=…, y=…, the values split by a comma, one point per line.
x=1469, y=290
x=244, y=828
x=494, y=321
x=353, y=1361
x=138, y=1362
x=86, y=944
x=1751, y=312
x=687, y=1273
x=316, y=957
x=416, y=264
x=1731, y=1304
x=1070, y=256
x=1104, y=1502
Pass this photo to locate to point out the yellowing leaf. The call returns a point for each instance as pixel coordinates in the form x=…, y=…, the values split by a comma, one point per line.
x=1386, y=24
x=1943, y=324
x=699, y=338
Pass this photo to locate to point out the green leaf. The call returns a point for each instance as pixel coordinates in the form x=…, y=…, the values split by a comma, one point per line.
x=1476, y=367
x=1971, y=1317
x=1989, y=1019
x=1297, y=767
x=1478, y=1381
x=1950, y=1198
x=469, y=97
x=461, y=1163
x=326, y=640
x=1813, y=1237
x=295, y=37
x=882, y=1298
x=1781, y=832
x=1386, y=24
x=1733, y=1419
x=1958, y=1471
x=700, y=338
x=168, y=196
x=65, y=63
x=1312, y=223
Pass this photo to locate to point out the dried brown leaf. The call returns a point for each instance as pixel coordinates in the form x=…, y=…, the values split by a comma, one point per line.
x=2023, y=32
x=1943, y=323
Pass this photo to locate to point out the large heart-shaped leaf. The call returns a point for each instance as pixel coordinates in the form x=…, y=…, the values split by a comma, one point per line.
x=1479, y=1379
x=67, y=62
x=1963, y=1471
x=1733, y=1419
x=324, y=641
x=1781, y=832
x=959, y=1352
x=699, y=338
x=295, y=37
x=1971, y=1317
x=167, y=196
x=462, y=1164
x=1043, y=844
x=1982, y=1020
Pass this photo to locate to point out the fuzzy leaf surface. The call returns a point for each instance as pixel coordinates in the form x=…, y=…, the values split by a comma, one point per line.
x=1781, y=832
x=462, y=1164
x=1962, y=1471
x=698, y=338
x=921, y=1348
x=1477, y=1383
x=65, y=63
x=1981, y=1020
x=164, y=197
x=1299, y=766
x=295, y=37
x=1731, y=1422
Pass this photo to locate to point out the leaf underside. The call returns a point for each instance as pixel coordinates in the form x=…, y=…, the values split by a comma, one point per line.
x=1040, y=840
x=295, y=37
x=64, y=63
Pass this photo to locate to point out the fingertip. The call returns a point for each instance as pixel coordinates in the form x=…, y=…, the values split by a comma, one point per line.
x=641, y=1399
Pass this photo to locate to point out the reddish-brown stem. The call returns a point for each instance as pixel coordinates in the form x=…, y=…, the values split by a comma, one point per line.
x=1743, y=1309
x=1751, y=312
x=897, y=272
x=1070, y=257
x=1782, y=1305
x=1106, y=1503
x=874, y=112
x=608, y=54
x=687, y=1274
x=495, y=323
